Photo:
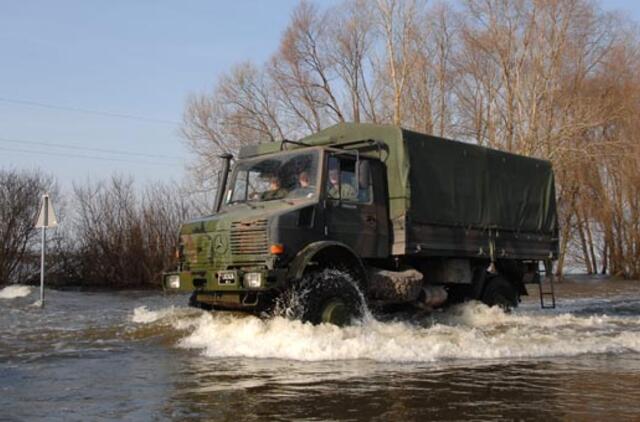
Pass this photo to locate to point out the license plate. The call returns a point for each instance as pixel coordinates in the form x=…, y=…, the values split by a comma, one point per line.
x=226, y=277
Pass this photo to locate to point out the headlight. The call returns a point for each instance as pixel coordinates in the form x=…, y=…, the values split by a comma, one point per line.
x=173, y=281
x=253, y=280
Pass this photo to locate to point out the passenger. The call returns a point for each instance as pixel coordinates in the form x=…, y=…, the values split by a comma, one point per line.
x=337, y=190
x=275, y=190
x=304, y=187
x=303, y=180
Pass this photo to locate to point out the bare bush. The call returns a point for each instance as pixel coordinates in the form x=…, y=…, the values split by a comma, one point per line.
x=126, y=238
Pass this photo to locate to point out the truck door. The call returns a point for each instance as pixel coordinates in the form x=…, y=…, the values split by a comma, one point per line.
x=356, y=212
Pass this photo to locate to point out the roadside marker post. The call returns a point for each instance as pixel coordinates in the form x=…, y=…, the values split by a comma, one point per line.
x=46, y=219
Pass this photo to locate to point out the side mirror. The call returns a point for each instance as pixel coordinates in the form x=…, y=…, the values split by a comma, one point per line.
x=364, y=174
x=222, y=181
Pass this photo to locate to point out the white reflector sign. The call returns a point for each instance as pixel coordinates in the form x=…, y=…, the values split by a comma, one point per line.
x=47, y=217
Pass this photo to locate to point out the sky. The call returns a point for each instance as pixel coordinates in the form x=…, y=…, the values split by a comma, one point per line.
x=91, y=89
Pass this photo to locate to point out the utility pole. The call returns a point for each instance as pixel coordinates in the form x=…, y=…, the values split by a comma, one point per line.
x=46, y=218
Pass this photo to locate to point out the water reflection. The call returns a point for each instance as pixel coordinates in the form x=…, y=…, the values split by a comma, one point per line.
x=582, y=388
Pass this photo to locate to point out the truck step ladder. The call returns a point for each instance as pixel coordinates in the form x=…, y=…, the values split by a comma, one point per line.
x=546, y=288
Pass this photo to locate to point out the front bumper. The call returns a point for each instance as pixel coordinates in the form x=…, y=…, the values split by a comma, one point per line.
x=242, y=300
x=233, y=280
x=225, y=289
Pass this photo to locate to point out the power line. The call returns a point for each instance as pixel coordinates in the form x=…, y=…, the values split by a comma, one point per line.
x=88, y=111
x=78, y=147
x=90, y=157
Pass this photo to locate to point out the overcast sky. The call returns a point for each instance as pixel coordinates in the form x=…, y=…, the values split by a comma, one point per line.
x=115, y=75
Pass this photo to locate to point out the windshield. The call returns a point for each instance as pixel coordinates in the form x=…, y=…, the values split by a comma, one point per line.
x=286, y=176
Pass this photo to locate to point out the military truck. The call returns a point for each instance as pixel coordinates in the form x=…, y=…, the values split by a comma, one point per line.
x=376, y=214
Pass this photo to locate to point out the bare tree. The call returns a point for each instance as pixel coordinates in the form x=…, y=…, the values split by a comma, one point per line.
x=350, y=49
x=398, y=25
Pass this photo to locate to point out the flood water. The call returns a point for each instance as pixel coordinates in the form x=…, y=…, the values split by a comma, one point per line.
x=145, y=356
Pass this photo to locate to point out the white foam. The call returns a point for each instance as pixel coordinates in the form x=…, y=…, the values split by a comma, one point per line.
x=15, y=291
x=470, y=331
x=174, y=315
x=142, y=315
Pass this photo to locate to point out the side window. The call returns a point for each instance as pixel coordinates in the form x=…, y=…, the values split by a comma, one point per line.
x=240, y=188
x=342, y=183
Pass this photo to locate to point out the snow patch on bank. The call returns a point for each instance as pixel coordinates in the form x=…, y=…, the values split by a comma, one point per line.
x=468, y=331
x=15, y=291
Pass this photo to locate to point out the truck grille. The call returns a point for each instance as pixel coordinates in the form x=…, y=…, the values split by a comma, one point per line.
x=249, y=237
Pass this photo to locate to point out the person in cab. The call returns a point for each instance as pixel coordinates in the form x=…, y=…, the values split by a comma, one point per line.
x=276, y=191
x=337, y=188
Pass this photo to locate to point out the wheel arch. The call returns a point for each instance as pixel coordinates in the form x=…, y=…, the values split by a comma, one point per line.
x=513, y=271
x=494, y=288
x=326, y=254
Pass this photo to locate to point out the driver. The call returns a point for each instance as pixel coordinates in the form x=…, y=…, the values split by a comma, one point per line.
x=276, y=191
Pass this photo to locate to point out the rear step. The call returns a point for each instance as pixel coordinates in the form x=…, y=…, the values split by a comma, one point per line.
x=545, y=285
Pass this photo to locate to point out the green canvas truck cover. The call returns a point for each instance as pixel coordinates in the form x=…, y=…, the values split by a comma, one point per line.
x=455, y=183
x=434, y=180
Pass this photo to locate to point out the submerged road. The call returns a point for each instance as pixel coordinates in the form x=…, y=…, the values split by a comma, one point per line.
x=144, y=356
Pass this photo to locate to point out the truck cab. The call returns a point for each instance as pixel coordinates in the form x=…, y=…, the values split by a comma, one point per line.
x=278, y=211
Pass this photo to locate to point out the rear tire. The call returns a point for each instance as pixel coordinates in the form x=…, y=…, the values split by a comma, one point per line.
x=330, y=296
x=499, y=292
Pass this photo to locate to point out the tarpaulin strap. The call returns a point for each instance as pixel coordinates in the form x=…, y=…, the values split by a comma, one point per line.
x=492, y=248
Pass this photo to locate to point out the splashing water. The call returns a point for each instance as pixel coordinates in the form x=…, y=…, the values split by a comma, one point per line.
x=15, y=291
x=291, y=304
x=179, y=317
x=468, y=331
x=143, y=315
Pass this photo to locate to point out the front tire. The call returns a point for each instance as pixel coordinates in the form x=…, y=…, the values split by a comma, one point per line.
x=330, y=296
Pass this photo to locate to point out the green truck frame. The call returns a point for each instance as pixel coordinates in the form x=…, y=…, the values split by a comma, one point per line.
x=386, y=215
